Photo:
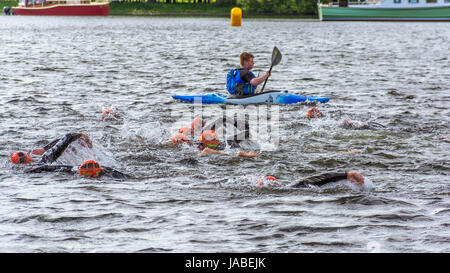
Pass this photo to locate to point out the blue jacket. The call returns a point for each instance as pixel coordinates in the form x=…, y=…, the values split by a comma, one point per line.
x=236, y=85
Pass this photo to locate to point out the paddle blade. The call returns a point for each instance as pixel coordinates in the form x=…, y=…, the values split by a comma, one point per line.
x=276, y=56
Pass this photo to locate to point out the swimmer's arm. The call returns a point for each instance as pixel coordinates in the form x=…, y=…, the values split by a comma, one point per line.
x=41, y=151
x=53, y=143
x=209, y=151
x=321, y=179
x=52, y=154
x=115, y=174
x=244, y=154
x=51, y=168
x=50, y=145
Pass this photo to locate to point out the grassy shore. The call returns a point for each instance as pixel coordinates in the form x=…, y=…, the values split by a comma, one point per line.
x=185, y=9
x=179, y=9
x=124, y=8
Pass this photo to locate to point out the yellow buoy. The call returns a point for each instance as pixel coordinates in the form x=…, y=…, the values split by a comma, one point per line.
x=236, y=17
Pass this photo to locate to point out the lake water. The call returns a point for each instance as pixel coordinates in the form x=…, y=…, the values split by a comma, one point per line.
x=59, y=73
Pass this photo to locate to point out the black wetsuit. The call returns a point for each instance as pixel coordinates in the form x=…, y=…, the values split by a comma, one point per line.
x=106, y=171
x=54, y=150
x=370, y=125
x=321, y=179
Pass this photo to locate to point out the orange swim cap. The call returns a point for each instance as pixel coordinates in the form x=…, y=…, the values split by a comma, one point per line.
x=90, y=168
x=21, y=158
x=109, y=114
x=314, y=112
x=210, y=138
x=179, y=138
x=185, y=130
x=271, y=178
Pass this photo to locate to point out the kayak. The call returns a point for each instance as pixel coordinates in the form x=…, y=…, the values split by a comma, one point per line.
x=269, y=97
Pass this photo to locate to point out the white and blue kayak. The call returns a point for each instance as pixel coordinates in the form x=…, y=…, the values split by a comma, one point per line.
x=269, y=97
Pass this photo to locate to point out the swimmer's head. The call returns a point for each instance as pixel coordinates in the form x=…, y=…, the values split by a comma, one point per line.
x=90, y=168
x=197, y=125
x=355, y=178
x=348, y=124
x=314, y=112
x=21, y=158
x=179, y=138
x=209, y=139
x=270, y=179
x=109, y=114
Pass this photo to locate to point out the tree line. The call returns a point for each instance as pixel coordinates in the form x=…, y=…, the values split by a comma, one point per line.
x=279, y=6
x=172, y=1
x=291, y=7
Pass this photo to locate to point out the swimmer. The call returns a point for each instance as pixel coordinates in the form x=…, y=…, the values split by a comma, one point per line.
x=110, y=114
x=355, y=125
x=355, y=178
x=53, y=151
x=209, y=142
x=83, y=141
x=269, y=180
x=187, y=134
x=89, y=168
x=314, y=112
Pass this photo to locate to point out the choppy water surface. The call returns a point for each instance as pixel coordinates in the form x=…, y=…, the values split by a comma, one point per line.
x=58, y=74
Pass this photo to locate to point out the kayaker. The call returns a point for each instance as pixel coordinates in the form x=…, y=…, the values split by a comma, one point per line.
x=241, y=81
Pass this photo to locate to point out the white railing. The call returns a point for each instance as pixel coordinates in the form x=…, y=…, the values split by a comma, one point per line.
x=336, y=4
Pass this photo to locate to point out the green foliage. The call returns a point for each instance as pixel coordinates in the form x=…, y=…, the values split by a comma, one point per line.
x=279, y=6
x=225, y=2
x=8, y=3
x=143, y=8
x=268, y=7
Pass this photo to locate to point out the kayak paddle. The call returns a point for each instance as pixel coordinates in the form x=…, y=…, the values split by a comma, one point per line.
x=276, y=58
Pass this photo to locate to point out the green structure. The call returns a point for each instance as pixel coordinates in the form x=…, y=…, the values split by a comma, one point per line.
x=386, y=10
